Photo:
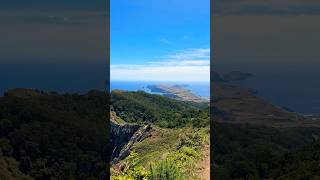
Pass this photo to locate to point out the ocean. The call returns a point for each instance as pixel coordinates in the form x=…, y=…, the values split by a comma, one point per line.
x=295, y=91
x=199, y=88
x=291, y=84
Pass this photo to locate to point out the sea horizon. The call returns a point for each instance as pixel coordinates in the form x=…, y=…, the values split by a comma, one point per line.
x=199, y=88
x=298, y=96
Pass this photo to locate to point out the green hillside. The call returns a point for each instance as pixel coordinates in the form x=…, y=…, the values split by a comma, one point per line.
x=48, y=135
x=174, y=146
x=139, y=107
x=253, y=139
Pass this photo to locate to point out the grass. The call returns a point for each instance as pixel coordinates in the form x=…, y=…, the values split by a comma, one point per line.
x=116, y=118
x=169, y=153
x=166, y=170
x=158, y=146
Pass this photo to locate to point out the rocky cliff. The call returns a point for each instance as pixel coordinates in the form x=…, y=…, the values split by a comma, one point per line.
x=123, y=137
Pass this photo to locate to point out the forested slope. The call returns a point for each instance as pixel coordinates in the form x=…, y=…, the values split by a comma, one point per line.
x=50, y=135
x=254, y=139
x=139, y=107
x=173, y=146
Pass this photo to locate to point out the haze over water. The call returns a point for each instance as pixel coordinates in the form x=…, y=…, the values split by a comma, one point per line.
x=295, y=86
x=199, y=88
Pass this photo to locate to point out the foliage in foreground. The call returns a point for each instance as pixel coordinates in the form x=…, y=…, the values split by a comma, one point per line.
x=256, y=152
x=165, y=170
x=178, y=164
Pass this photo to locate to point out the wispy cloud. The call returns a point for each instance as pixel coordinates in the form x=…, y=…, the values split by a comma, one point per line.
x=181, y=63
x=186, y=65
x=165, y=41
x=191, y=54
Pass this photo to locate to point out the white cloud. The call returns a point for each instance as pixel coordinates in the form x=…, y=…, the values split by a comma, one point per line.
x=187, y=65
x=182, y=63
x=161, y=73
x=191, y=54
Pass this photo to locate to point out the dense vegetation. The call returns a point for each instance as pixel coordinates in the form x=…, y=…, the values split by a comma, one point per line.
x=257, y=152
x=52, y=136
x=139, y=107
x=177, y=162
x=180, y=132
x=49, y=135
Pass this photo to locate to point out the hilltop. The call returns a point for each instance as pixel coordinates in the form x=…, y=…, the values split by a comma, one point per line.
x=234, y=104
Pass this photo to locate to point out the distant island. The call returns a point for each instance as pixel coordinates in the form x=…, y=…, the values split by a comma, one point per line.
x=178, y=92
x=237, y=76
x=231, y=76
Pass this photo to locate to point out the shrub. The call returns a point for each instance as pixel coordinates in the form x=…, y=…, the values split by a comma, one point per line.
x=165, y=170
x=132, y=171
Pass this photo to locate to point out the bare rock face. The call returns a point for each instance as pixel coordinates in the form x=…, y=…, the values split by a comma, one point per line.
x=142, y=133
x=124, y=136
x=120, y=135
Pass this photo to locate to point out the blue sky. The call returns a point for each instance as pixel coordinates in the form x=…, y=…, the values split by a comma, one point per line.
x=165, y=40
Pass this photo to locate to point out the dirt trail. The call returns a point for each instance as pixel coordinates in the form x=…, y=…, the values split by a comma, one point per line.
x=204, y=165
